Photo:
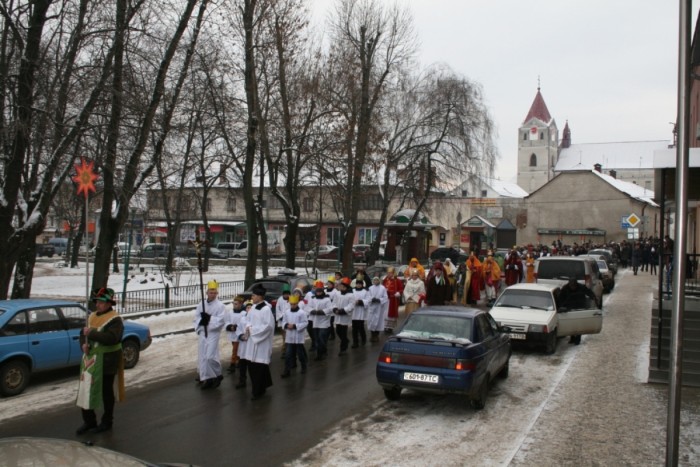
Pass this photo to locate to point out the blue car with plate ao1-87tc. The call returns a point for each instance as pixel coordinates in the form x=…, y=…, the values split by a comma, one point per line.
x=445, y=349
x=43, y=334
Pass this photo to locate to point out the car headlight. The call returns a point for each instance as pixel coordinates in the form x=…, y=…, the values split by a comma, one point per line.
x=537, y=328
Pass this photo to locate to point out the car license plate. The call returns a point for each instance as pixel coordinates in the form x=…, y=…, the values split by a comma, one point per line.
x=421, y=377
x=514, y=335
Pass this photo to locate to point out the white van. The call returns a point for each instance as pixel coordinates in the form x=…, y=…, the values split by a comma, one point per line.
x=558, y=269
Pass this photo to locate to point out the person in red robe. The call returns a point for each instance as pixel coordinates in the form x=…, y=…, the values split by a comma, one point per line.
x=474, y=282
x=514, y=267
x=394, y=288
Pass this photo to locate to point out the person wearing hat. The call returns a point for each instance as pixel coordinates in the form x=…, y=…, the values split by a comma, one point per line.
x=413, y=291
x=294, y=323
x=232, y=322
x=259, y=333
x=394, y=289
x=102, y=362
x=438, y=290
x=514, y=267
x=414, y=264
x=209, y=317
x=473, y=282
x=378, y=304
x=342, y=310
x=320, y=309
x=492, y=278
x=359, y=313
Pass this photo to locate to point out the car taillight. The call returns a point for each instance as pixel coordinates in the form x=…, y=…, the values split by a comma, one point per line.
x=273, y=303
x=385, y=357
x=464, y=365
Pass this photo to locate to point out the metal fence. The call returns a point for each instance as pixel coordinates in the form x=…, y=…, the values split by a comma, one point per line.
x=172, y=297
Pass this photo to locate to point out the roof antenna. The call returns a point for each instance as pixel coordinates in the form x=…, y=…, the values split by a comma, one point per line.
x=538, y=83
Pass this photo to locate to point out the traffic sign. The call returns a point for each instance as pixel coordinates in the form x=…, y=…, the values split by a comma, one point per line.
x=633, y=220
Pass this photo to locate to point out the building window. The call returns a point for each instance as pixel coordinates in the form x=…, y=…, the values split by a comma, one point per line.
x=371, y=203
x=464, y=193
x=274, y=203
x=366, y=236
x=484, y=193
x=525, y=136
x=541, y=135
x=308, y=204
x=231, y=204
x=333, y=236
x=533, y=160
x=208, y=205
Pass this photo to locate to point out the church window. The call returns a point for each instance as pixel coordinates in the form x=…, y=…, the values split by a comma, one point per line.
x=533, y=160
x=541, y=135
x=525, y=136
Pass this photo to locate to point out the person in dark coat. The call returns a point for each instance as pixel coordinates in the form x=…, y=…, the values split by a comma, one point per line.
x=438, y=290
x=636, y=257
x=101, y=343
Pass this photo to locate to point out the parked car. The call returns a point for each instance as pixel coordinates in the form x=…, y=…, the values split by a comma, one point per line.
x=606, y=275
x=123, y=249
x=229, y=248
x=381, y=268
x=609, y=258
x=558, y=269
x=154, y=250
x=360, y=252
x=60, y=245
x=533, y=316
x=42, y=334
x=217, y=254
x=324, y=252
x=45, y=249
x=445, y=349
x=274, y=284
x=27, y=450
x=456, y=255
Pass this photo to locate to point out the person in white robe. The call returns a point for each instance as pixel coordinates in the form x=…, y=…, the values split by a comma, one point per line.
x=294, y=323
x=232, y=322
x=378, y=306
x=343, y=307
x=259, y=332
x=320, y=308
x=242, y=346
x=359, y=314
x=208, y=322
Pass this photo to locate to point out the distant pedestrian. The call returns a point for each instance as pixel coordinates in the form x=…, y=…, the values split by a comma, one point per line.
x=359, y=314
x=342, y=309
x=320, y=309
x=378, y=303
x=232, y=322
x=394, y=289
x=413, y=292
x=259, y=333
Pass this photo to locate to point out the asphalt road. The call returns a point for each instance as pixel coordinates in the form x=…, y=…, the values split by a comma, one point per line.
x=175, y=421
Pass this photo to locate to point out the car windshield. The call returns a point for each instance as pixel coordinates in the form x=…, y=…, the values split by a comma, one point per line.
x=448, y=328
x=602, y=265
x=560, y=270
x=526, y=299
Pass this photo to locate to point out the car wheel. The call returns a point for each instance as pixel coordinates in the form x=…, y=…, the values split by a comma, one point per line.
x=551, y=345
x=392, y=394
x=14, y=378
x=131, y=351
x=576, y=340
x=479, y=401
x=503, y=374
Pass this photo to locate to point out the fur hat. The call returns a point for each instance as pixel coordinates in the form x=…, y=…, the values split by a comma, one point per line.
x=105, y=295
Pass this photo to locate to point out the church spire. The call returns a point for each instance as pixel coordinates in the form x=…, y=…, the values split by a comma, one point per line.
x=538, y=109
x=566, y=136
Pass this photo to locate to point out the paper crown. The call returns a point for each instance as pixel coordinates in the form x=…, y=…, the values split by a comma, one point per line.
x=212, y=285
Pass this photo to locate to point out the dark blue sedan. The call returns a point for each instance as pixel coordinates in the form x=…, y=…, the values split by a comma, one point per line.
x=445, y=349
x=43, y=334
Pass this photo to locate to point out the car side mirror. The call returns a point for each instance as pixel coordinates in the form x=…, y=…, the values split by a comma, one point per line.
x=505, y=329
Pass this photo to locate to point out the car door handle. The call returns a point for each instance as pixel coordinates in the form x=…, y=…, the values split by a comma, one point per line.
x=598, y=313
x=75, y=338
x=36, y=342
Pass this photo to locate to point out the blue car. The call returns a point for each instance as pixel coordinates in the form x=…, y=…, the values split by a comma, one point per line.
x=445, y=349
x=43, y=334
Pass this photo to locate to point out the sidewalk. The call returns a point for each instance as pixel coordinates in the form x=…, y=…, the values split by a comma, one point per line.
x=604, y=412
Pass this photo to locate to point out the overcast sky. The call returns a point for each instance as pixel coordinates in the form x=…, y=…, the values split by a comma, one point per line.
x=608, y=67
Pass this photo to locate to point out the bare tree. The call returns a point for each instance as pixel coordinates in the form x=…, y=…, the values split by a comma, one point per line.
x=369, y=44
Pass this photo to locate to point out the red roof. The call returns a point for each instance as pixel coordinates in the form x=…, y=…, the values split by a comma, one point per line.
x=538, y=109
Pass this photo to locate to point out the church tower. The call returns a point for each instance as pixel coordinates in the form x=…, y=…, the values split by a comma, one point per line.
x=538, y=146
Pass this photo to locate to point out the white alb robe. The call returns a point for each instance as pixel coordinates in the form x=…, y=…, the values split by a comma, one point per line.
x=208, y=360
x=377, y=311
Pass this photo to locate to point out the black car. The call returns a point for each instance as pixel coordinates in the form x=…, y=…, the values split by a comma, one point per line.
x=274, y=284
x=45, y=249
x=455, y=255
